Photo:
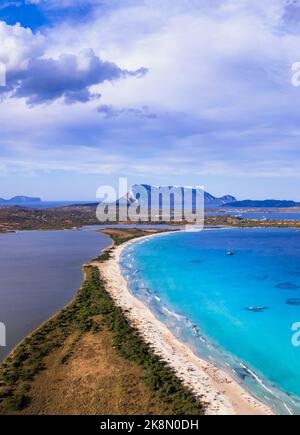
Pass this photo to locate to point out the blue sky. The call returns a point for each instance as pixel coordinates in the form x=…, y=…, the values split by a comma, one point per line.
x=189, y=92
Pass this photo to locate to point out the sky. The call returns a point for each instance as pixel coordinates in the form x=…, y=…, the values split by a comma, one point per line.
x=183, y=92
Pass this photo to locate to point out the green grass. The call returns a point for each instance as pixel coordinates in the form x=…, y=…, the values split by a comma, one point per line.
x=92, y=302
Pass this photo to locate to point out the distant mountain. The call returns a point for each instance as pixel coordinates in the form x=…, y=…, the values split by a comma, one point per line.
x=133, y=196
x=212, y=201
x=20, y=200
x=268, y=203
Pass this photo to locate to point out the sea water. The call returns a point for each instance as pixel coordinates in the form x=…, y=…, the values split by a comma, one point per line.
x=237, y=310
x=272, y=215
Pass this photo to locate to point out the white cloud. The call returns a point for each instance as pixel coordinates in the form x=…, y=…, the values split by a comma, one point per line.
x=200, y=57
x=19, y=45
x=41, y=79
x=218, y=84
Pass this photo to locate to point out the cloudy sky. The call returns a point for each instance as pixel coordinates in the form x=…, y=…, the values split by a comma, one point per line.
x=189, y=92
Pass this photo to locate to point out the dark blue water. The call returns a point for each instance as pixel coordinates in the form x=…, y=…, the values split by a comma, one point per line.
x=207, y=298
x=272, y=215
x=40, y=272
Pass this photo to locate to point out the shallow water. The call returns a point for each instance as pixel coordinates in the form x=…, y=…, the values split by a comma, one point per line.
x=205, y=295
x=40, y=272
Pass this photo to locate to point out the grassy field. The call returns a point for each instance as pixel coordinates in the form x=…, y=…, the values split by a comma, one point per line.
x=89, y=360
x=121, y=235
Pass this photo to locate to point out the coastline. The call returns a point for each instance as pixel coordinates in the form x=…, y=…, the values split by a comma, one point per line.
x=219, y=390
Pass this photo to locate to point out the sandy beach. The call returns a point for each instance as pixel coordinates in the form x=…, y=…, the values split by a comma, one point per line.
x=223, y=394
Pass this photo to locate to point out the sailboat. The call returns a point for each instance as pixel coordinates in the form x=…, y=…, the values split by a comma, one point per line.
x=230, y=252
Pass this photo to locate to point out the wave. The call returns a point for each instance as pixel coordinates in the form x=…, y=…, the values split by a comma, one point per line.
x=256, y=378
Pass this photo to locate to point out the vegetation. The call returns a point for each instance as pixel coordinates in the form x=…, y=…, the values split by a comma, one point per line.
x=237, y=222
x=91, y=312
x=120, y=236
x=18, y=218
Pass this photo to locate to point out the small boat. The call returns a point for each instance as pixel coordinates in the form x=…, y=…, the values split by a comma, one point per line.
x=258, y=309
x=229, y=252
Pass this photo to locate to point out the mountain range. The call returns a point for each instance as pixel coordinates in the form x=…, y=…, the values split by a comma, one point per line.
x=20, y=200
x=135, y=196
x=154, y=192
x=210, y=201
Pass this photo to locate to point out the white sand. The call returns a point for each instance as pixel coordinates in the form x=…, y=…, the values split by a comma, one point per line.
x=223, y=394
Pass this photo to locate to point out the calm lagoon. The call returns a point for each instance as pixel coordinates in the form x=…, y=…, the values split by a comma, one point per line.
x=40, y=272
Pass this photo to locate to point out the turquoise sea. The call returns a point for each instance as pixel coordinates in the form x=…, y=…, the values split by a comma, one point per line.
x=236, y=311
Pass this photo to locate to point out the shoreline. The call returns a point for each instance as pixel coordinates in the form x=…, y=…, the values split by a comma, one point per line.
x=219, y=390
x=44, y=323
